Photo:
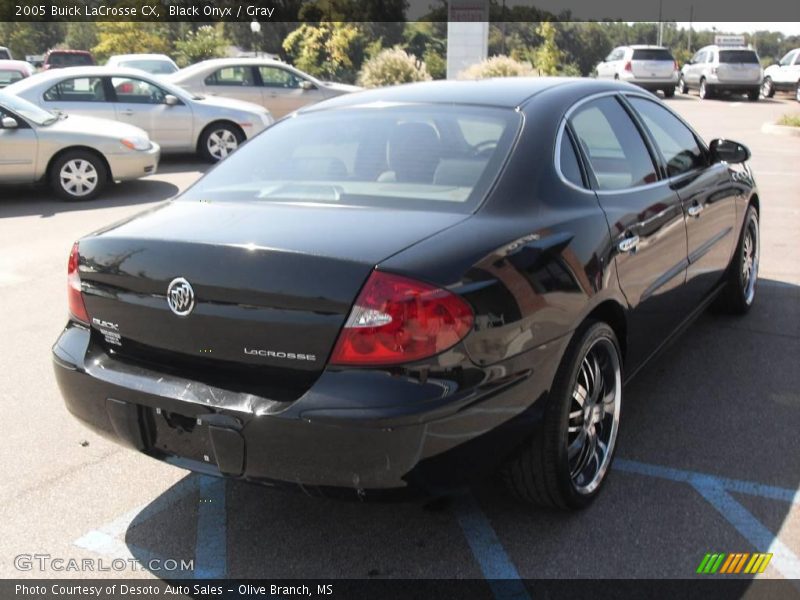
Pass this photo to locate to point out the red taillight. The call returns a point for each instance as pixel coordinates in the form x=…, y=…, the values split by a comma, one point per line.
x=628, y=66
x=398, y=320
x=76, y=306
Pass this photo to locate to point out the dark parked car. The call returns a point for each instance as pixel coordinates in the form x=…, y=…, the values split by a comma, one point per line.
x=409, y=287
x=59, y=59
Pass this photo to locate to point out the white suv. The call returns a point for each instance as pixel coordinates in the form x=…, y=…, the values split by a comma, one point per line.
x=784, y=77
x=650, y=67
x=720, y=69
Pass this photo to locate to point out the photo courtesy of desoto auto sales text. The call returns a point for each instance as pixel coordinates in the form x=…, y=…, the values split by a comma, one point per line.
x=400, y=299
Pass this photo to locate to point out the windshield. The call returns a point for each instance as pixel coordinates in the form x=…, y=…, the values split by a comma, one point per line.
x=420, y=157
x=153, y=66
x=738, y=56
x=9, y=76
x=27, y=110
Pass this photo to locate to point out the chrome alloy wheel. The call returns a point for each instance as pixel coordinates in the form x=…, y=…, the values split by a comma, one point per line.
x=221, y=143
x=750, y=254
x=594, y=415
x=78, y=177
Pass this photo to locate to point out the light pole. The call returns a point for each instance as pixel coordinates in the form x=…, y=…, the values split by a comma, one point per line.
x=255, y=28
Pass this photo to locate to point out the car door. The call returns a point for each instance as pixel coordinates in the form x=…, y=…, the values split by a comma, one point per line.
x=691, y=74
x=645, y=219
x=285, y=91
x=85, y=96
x=143, y=103
x=793, y=71
x=707, y=193
x=234, y=81
x=783, y=74
x=608, y=68
x=18, y=150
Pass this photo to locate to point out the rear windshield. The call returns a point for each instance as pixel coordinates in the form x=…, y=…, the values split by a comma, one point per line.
x=154, y=67
x=738, y=56
x=69, y=60
x=652, y=54
x=440, y=158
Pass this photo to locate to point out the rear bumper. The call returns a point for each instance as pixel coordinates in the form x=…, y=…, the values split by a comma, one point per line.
x=134, y=164
x=739, y=87
x=359, y=431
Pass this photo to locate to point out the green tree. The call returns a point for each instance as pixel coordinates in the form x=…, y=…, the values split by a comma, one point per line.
x=208, y=41
x=81, y=36
x=547, y=58
x=35, y=37
x=328, y=50
x=127, y=37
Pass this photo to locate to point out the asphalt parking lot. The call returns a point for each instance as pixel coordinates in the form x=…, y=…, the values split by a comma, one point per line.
x=707, y=461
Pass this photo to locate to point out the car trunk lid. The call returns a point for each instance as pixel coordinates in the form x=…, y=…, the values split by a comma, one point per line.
x=272, y=284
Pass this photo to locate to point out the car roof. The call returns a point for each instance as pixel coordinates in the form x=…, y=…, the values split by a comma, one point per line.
x=717, y=47
x=44, y=77
x=502, y=92
x=647, y=47
x=140, y=57
x=64, y=51
x=14, y=64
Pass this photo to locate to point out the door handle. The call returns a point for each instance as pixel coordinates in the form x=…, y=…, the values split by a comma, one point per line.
x=629, y=244
x=127, y=112
x=695, y=209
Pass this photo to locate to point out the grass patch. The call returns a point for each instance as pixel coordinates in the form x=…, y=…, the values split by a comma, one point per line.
x=790, y=120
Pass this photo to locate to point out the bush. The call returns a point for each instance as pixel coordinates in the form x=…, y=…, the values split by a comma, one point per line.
x=790, y=120
x=497, y=66
x=391, y=67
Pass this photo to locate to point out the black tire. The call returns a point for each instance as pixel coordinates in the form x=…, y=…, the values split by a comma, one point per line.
x=767, y=88
x=739, y=292
x=669, y=92
x=226, y=137
x=704, y=91
x=540, y=473
x=682, y=87
x=754, y=94
x=78, y=175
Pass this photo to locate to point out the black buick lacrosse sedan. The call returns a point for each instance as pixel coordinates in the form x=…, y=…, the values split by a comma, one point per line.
x=412, y=287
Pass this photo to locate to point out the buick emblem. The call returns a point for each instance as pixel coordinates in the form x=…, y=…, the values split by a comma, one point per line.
x=180, y=297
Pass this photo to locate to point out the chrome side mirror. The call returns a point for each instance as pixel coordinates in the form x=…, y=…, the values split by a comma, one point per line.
x=171, y=100
x=306, y=86
x=10, y=123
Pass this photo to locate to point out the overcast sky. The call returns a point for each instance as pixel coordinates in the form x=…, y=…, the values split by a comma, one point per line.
x=786, y=28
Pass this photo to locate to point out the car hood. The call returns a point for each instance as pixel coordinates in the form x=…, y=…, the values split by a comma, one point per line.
x=75, y=124
x=230, y=103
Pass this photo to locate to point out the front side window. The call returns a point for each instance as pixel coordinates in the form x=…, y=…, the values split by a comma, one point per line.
x=79, y=89
x=137, y=91
x=277, y=77
x=616, y=151
x=241, y=76
x=441, y=158
x=676, y=142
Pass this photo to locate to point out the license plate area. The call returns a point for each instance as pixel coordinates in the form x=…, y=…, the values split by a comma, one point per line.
x=180, y=435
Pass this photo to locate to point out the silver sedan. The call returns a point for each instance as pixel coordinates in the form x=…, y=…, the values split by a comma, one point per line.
x=78, y=156
x=273, y=84
x=177, y=120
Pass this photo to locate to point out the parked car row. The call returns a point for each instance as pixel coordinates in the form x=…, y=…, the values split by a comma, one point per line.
x=142, y=101
x=712, y=71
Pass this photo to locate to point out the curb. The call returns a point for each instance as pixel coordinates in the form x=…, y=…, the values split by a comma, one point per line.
x=780, y=129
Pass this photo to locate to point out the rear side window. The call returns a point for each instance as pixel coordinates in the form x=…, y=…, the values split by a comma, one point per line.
x=79, y=89
x=652, y=54
x=614, y=147
x=738, y=56
x=231, y=76
x=568, y=161
x=675, y=141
